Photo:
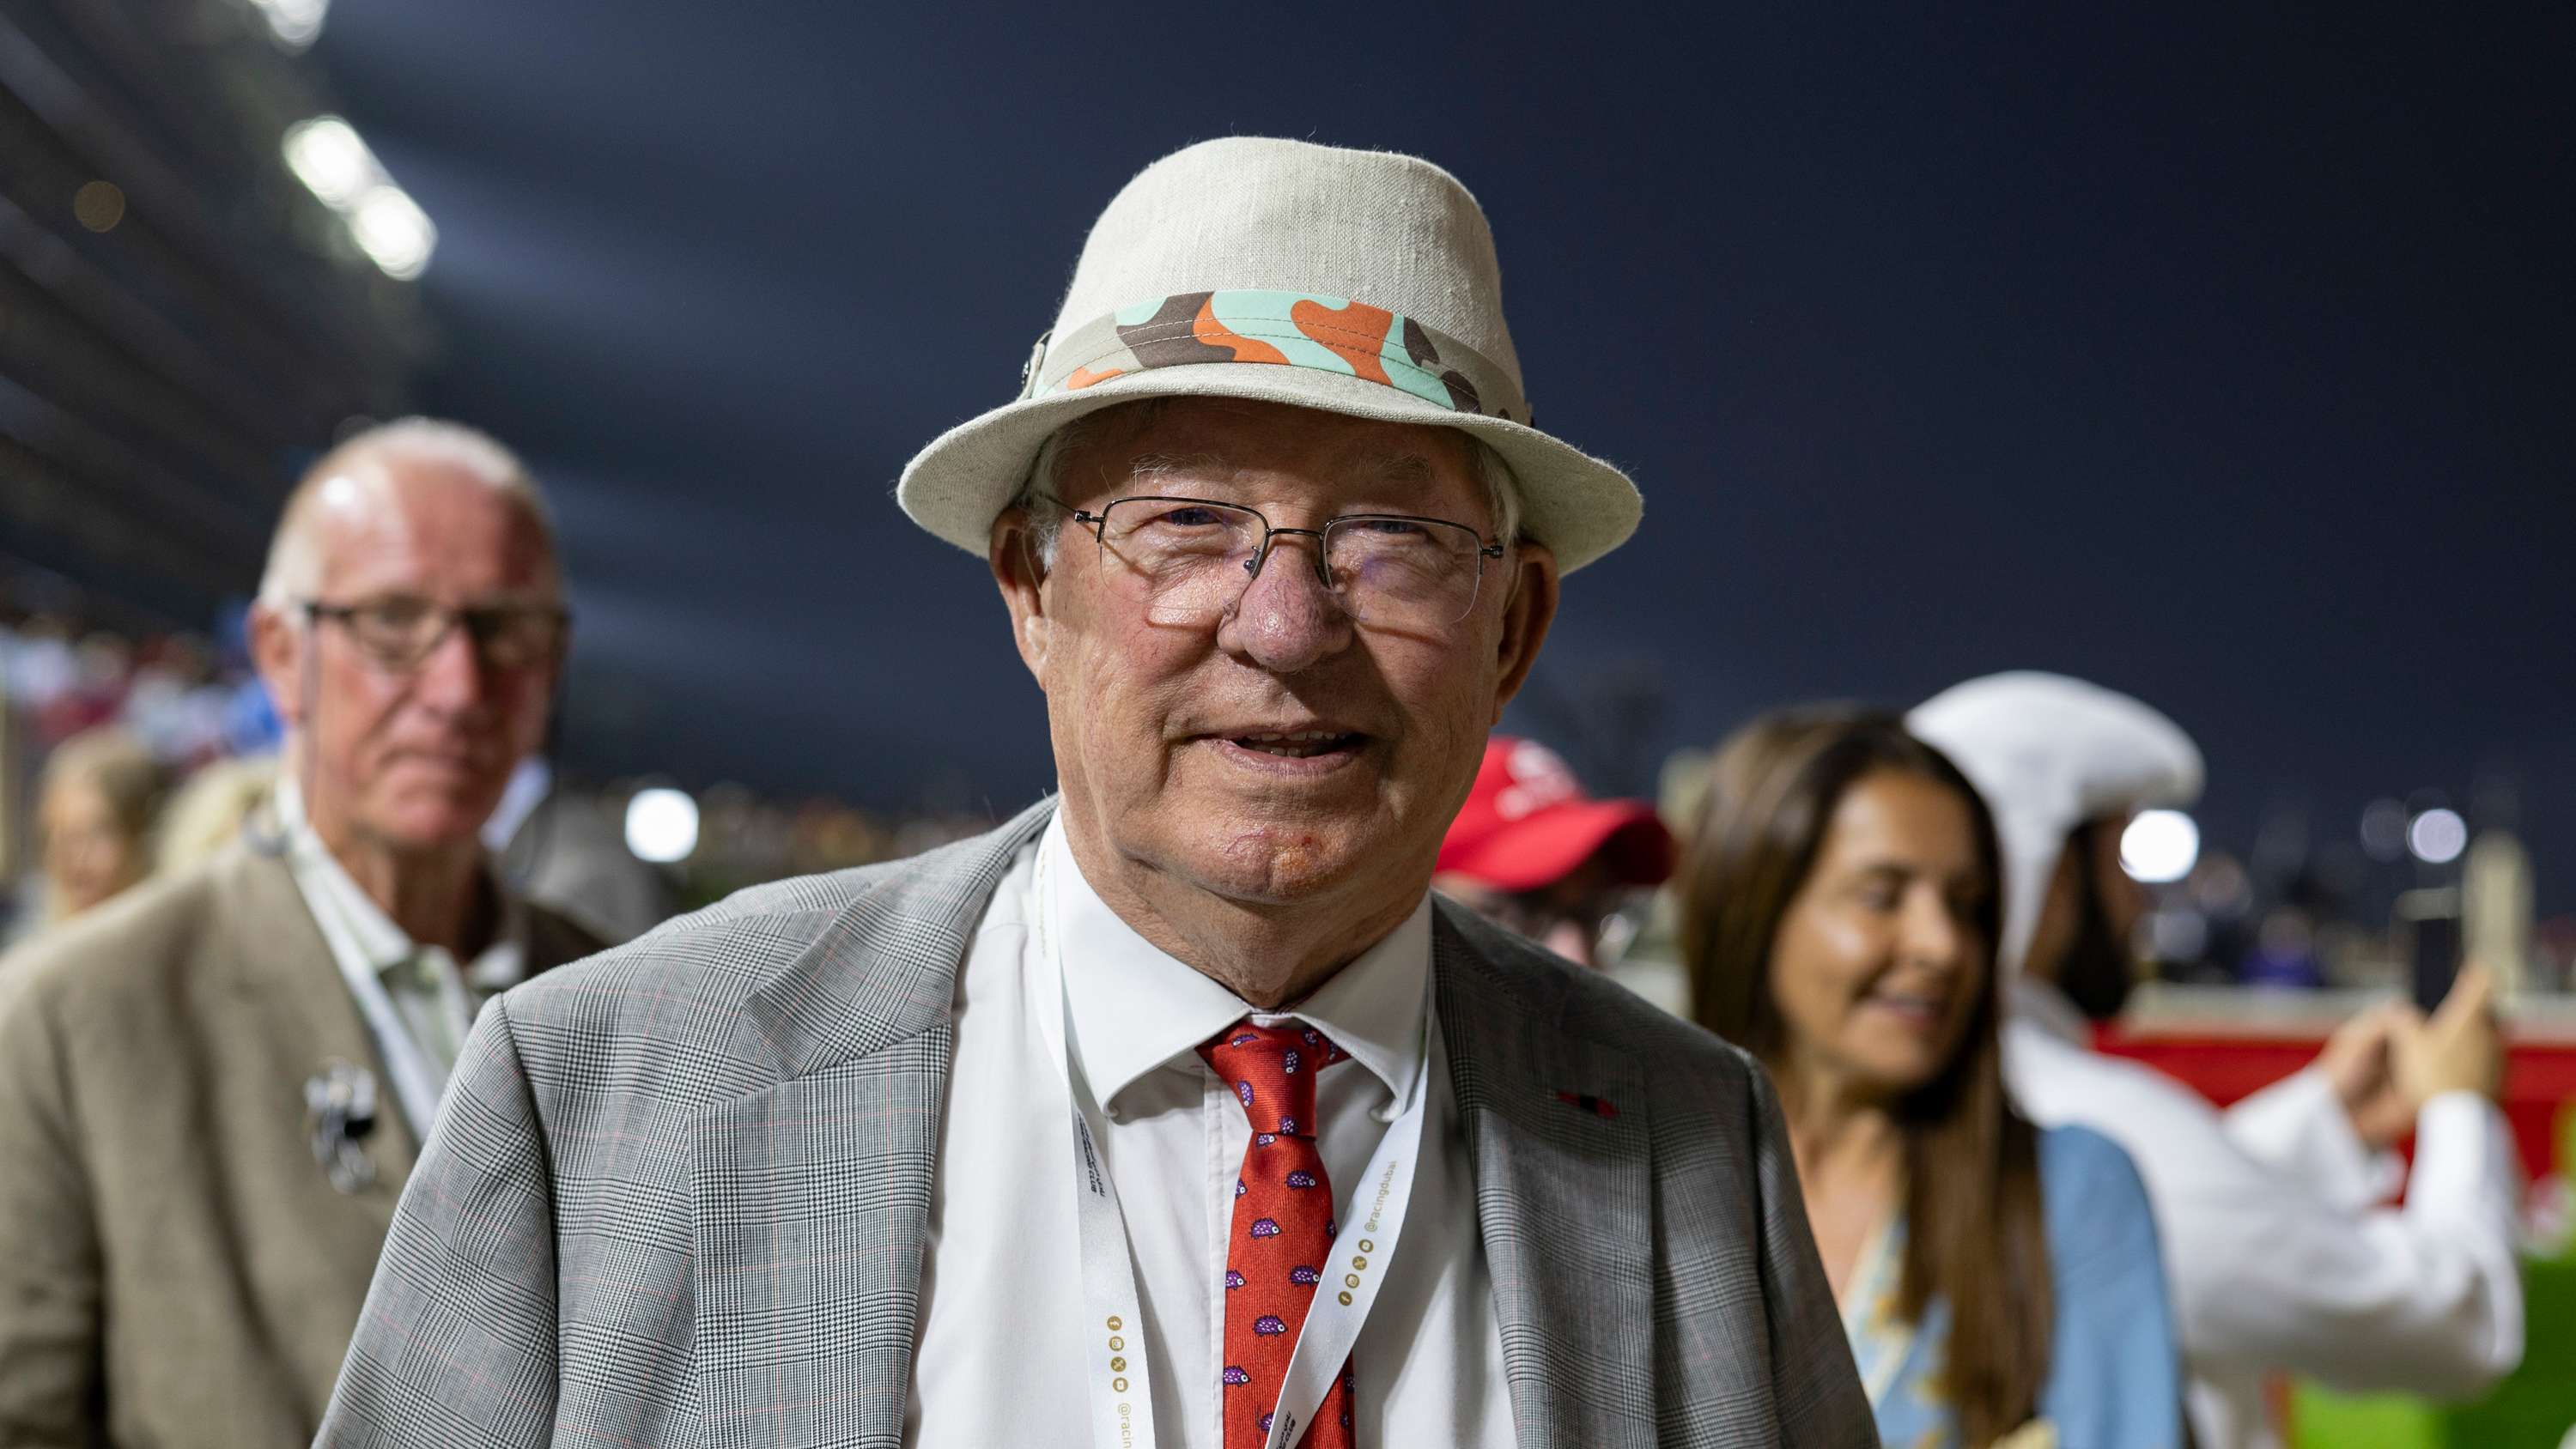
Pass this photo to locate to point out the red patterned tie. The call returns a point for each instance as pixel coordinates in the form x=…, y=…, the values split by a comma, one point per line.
x=1283, y=1227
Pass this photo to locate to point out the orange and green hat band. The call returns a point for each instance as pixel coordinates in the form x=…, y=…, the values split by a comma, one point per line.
x=1281, y=329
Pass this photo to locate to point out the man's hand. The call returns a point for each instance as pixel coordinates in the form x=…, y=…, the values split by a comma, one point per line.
x=2460, y=1049
x=2360, y=1060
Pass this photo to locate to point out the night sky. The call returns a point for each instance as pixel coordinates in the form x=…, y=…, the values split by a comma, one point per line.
x=2222, y=357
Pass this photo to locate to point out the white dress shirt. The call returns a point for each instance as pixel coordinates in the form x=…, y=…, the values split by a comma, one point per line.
x=1002, y=1337
x=2279, y=1255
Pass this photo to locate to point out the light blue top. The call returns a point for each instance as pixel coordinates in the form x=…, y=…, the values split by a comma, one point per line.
x=2114, y=1375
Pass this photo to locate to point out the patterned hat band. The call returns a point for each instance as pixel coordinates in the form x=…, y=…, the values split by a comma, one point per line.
x=1283, y=329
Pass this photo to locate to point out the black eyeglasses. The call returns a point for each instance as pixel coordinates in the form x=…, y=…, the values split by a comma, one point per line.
x=399, y=631
x=1195, y=557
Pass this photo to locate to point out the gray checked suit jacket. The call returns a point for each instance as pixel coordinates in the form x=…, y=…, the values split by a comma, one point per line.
x=679, y=1193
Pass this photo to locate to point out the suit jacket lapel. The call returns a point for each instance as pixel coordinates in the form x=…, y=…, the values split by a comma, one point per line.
x=813, y=1197
x=285, y=976
x=812, y=1210
x=1556, y=1128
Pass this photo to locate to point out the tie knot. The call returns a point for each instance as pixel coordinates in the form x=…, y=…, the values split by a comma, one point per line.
x=1272, y=1070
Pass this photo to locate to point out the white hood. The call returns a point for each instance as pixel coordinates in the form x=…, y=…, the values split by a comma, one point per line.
x=2050, y=753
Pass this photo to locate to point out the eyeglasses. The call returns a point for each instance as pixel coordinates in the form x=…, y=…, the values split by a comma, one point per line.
x=1194, y=558
x=399, y=631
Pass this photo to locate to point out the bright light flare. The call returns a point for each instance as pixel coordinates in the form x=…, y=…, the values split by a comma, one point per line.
x=326, y=155
x=2159, y=847
x=2437, y=836
x=662, y=825
x=295, y=23
x=393, y=230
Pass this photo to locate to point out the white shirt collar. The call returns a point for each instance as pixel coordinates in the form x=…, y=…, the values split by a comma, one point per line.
x=1136, y=1008
x=382, y=943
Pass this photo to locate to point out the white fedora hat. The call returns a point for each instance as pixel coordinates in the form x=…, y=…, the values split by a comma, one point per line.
x=1358, y=282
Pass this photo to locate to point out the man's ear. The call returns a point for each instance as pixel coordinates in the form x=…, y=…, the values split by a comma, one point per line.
x=277, y=648
x=1012, y=550
x=1528, y=610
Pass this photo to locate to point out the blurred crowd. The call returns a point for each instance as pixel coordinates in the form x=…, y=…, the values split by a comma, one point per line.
x=140, y=754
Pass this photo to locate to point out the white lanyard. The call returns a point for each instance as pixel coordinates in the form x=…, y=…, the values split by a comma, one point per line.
x=1122, y=1399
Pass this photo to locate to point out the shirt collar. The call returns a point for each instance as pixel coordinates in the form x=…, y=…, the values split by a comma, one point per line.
x=381, y=942
x=1136, y=1008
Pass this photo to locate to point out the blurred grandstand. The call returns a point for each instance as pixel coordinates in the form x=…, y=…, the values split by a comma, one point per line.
x=182, y=323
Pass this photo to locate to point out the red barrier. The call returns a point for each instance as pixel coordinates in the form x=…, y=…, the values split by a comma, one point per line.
x=2540, y=1079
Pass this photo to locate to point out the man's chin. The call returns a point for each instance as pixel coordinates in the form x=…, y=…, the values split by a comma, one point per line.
x=1276, y=864
x=434, y=824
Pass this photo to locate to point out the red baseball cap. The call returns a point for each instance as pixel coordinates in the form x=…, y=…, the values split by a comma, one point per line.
x=1527, y=824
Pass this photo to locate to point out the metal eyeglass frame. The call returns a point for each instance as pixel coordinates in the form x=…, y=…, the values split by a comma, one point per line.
x=1098, y=523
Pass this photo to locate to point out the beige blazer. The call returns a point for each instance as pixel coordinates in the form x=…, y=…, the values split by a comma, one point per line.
x=176, y=1267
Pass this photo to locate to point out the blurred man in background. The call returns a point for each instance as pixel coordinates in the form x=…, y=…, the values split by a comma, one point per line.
x=1531, y=852
x=2279, y=1255
x=212, y=1090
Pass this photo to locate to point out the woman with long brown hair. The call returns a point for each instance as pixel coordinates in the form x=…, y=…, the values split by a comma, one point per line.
x=1839, y=918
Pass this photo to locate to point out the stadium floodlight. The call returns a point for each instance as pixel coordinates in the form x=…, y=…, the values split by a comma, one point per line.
x=295, y=23
x=392, y=229
x=2160, y=847
x=326, y=154
x=662, y=825
x=329, y=157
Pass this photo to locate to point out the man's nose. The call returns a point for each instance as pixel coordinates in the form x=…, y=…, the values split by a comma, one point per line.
x=1287, y=620
x=453, y=676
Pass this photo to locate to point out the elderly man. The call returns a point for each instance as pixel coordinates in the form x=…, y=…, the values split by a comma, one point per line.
x=212, y=1089
x=2282, y=1257
x=1175, y=1111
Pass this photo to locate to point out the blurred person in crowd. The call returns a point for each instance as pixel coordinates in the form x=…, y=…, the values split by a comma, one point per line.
x=2285, y=955
x=2280, y=1255
x=246, y=718
x=1532, y=853
x=563, y=852
x=877, y=1156
x=210, y=1094
x=43, y=666
x=210, y=810
x=174, y=703
x=1839, y=914
x=95, y=809
x=101, y=668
